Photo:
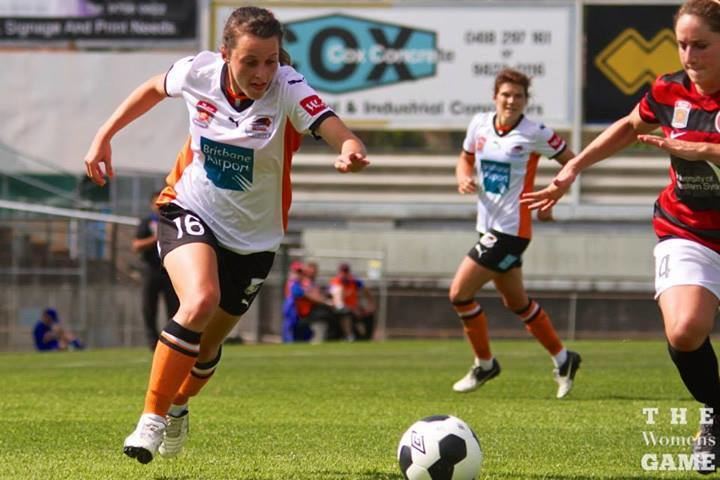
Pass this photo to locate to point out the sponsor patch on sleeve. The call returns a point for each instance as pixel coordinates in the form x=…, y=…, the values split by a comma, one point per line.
x=555, y=141
x=313, y=105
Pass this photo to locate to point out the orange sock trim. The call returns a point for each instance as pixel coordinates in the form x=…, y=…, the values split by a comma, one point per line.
x=190, y=387
x=538, y=323
x=171, y=365
x=475, y=327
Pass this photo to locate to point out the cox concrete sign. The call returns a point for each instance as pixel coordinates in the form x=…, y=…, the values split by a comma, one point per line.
x=427, y=67
x=340, y=53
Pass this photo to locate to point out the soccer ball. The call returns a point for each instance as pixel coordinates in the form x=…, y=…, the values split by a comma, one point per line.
x=441, y=447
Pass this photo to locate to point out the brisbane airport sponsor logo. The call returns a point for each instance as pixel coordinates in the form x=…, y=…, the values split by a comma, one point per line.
x=229, y=167
x=667, y=437
x=340, y=53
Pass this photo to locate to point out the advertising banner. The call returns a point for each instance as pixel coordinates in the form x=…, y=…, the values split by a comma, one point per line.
x=627, y=48
x=430, y=66
x=136, y=20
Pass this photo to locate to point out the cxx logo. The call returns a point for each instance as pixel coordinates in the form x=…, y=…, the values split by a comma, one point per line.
x=630, y=61
x=340, y=53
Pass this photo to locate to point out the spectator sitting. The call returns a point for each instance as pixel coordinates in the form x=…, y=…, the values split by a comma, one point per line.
x=353, y=303
x=295, y=307
x=320, y=316
x=50, y=335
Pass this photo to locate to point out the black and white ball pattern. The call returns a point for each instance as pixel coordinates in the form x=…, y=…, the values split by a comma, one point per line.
x=441, y=447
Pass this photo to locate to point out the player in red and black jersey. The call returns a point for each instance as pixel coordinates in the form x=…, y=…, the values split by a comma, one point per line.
x=686, y=106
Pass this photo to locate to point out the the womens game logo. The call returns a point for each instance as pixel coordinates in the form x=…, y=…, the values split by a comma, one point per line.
x=340, y=53
x=670, y=446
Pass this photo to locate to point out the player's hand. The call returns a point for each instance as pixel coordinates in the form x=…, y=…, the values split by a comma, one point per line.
x=545, y=215
x=546, y=198
x=351, y=162
x=679, y=148
x=100, y=153
x=467, y=185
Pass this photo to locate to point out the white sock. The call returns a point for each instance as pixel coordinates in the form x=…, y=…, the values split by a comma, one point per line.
x=177, y=410
x=484, y=364
x=560, y=358
x=152, y=416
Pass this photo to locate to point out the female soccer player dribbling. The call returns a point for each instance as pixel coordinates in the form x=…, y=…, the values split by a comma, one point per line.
x=224, y=210
x=503, y=147
x=686, y=105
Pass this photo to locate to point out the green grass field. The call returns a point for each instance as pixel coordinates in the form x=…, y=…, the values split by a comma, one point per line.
x=337, y=411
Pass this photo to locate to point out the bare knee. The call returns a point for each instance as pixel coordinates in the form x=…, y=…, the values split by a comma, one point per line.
x=459, y=292
x=456, y=295
x=685, y=334
x=197, y=310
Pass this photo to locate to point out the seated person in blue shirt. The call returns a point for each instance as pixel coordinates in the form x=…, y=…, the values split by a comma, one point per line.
x=50, y=335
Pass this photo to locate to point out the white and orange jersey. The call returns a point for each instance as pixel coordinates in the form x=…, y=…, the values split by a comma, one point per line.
x=506, y=163
x=234, y=171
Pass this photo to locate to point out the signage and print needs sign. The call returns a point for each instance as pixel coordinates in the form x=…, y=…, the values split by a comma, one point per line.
x=135, y=20
x=627, y=48
x=427, y=67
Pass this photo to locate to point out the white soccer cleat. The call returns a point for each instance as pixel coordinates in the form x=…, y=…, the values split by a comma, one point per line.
x=565, y=375
x=175, y=435
x=476, y=377
x=143, y=443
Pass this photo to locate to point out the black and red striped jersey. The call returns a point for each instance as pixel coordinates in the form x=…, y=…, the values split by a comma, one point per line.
x=689, y=207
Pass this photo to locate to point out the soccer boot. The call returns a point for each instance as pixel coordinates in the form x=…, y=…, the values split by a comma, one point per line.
x=143, y=443
x=565, y=374
x=706, y=446
x=175, y=435
x=476, y=377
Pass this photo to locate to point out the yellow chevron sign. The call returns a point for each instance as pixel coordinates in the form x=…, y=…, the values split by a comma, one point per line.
x=630, y=61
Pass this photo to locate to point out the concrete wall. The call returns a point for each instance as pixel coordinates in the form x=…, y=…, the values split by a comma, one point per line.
x=53, y=102
x=606, y=257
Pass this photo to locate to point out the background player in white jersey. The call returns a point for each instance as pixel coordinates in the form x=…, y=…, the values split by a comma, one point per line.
x=498, y=162
x=224, y=210
x=686, y=106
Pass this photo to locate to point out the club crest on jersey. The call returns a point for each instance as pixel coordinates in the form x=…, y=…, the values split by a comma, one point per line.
x=516, y=151
x=259, y=127
x=480, y=143
x=313, y=105
x=205, y=112
x=717, y=122
x=680, y=114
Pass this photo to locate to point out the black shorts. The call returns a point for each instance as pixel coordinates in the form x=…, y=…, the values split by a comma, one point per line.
x=499, y=252
x=241, y=276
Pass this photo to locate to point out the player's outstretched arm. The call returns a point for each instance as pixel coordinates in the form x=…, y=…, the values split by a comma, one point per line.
x=613, y=139
x=98, y=160
x=351, y=151
x=693, y=151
